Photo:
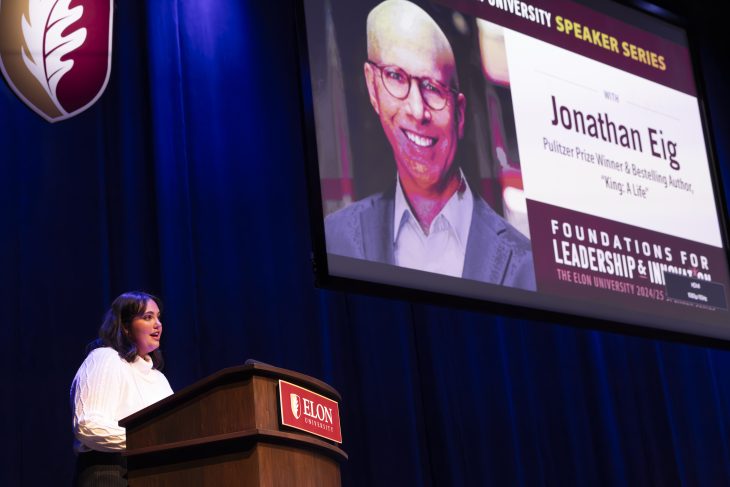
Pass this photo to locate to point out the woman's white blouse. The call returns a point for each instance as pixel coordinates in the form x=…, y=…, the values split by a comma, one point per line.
x=106, y=389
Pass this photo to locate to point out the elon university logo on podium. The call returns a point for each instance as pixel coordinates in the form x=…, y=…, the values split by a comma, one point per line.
x=308, y=411
x=56, y=54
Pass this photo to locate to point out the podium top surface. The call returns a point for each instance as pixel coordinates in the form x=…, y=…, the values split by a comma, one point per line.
x=240, y=372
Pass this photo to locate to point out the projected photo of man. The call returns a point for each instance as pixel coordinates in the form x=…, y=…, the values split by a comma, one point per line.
x=429, y=219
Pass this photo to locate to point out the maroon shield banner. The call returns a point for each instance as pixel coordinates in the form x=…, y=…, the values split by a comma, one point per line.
x=56, y=54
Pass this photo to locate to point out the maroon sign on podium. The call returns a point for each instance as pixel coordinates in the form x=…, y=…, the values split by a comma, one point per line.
x=308, y=411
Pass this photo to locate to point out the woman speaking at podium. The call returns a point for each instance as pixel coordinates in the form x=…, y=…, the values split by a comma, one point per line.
x=120, y=375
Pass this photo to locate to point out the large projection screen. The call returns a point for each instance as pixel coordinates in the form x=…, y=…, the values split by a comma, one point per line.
x=547, y=156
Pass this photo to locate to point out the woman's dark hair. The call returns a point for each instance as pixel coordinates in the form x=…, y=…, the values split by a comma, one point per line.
x=115, y=330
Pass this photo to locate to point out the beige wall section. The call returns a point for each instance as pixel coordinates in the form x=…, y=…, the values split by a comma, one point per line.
x=11, y=45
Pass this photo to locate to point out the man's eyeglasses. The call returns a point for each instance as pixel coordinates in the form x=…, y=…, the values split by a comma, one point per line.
x=398, y=83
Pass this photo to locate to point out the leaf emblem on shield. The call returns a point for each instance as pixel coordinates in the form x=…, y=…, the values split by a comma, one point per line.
x=46, y=45
x=56, y=54
x=295, y=409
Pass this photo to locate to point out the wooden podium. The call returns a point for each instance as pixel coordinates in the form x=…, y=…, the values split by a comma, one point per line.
x=224, y=430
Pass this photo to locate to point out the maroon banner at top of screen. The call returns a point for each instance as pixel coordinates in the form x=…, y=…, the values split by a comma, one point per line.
x=601, y=37
x=592, y=259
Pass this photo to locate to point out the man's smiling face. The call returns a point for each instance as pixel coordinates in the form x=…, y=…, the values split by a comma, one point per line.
x=424, y=140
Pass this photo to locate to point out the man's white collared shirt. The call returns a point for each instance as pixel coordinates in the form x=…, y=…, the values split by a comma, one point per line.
x=441, y=251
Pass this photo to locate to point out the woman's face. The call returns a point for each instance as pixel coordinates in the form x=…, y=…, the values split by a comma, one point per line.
x=146, y=330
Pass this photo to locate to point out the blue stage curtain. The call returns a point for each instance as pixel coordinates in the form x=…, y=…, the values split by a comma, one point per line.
x=187, y=180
